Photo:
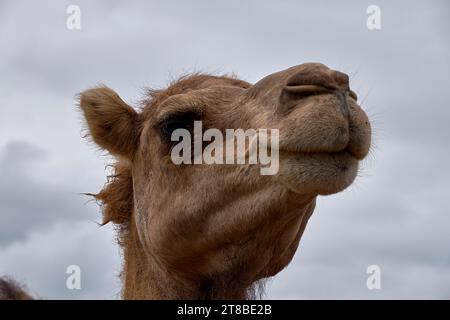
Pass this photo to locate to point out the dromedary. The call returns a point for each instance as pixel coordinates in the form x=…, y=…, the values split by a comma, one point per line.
x=214, y=231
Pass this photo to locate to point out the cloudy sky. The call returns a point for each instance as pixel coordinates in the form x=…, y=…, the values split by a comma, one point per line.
x=396, y=215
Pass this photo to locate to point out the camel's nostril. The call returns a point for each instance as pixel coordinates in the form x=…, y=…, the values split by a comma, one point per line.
x=291, y=94
x=305, y=90
x=308, y=82
x=330, y=79
x=304, y=78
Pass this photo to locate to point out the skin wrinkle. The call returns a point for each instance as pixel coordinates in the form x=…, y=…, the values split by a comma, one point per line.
x=216, y=231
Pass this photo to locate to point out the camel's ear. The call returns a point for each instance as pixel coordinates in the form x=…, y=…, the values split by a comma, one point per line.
x=112, y=123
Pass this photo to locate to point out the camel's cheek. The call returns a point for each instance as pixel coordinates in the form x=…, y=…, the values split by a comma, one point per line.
x=143, y=190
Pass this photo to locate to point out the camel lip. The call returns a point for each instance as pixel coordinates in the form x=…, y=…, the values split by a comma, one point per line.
x=314, y=89
x=307, y=88
x=342, y=151
x=332, y=152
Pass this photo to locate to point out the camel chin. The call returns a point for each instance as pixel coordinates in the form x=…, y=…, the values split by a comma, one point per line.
x=318, y=173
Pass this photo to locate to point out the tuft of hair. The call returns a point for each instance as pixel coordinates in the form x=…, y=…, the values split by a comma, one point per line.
x=257, y=291
x=192, y=81
x=116, y=199
x=11, y=290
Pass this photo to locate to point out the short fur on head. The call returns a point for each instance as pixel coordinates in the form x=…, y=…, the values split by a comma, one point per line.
x=212, y=231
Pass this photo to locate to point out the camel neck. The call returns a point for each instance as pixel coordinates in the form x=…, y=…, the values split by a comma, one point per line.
x=144, y=278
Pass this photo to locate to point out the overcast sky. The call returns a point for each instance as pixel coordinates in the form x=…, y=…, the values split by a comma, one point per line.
x=396, y=215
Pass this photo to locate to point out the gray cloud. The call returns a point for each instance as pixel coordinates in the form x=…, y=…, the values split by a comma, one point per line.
x=45, y=227
x=395, y=215
x=27, y=203
x=41, y=260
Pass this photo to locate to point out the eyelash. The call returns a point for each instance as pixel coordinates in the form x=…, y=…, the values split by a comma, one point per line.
x=183, y=120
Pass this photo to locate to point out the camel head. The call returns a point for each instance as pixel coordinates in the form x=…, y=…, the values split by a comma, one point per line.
x=212, y=230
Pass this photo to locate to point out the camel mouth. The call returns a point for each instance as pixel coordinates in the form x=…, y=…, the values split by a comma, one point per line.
x=346, y=151
x=342, y=143
x=343, y=160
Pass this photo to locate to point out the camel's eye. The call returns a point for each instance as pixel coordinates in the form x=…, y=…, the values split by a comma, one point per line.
x=177, y=120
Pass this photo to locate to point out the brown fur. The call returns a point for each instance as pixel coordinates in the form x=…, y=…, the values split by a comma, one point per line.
x=110, y=118
x=11, y=290
x=213, y=231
